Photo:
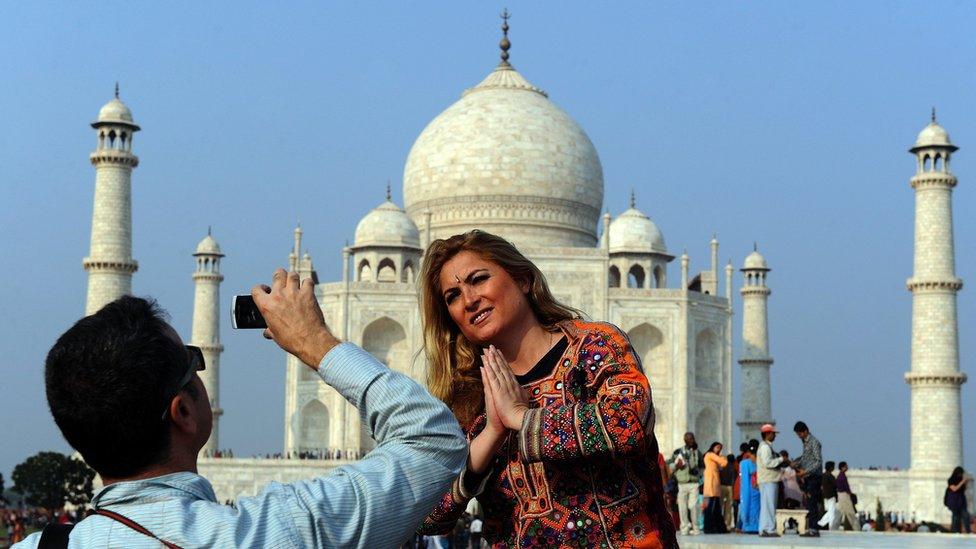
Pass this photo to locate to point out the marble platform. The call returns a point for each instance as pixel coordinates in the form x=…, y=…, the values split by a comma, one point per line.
x=836, y=540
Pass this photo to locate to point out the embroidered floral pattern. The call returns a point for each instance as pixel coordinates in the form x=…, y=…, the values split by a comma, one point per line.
x=583, y=470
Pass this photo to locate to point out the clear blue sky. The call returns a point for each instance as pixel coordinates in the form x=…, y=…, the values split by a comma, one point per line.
x=759, y=121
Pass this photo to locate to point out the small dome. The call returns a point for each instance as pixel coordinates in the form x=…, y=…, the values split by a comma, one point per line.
x=933, y=135
x=632, y=231
x=387, y=225
x=755, y=261
x=115, y=112
x=208, y=246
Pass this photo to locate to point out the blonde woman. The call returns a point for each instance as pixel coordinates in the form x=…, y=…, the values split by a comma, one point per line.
x=557, y=410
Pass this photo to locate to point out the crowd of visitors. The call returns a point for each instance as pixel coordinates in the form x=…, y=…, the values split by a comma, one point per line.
x=15, y=524
x=711, y=493
x=314, y=453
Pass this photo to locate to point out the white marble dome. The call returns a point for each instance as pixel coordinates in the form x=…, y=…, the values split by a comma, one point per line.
x=115, y=112
x=507, y=160
x=633, y=231
x=933, y=135
x=208, y=246
x=387, y=225
x=755, y=261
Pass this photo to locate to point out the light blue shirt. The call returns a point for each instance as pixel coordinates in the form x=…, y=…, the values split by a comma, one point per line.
x=376, y=502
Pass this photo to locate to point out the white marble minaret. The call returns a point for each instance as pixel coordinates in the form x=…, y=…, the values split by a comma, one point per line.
x=109, y=262
x=206, y=326
x=935, y=379
x=755, y=361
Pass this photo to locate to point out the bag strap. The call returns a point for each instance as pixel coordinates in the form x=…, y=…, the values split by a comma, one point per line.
x=134, y=525
x=55, y=536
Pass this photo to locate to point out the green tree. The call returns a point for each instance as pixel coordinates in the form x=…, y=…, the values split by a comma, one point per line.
x=50, y=479
x=879, y=520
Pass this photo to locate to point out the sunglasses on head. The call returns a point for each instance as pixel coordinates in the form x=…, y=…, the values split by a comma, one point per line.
x=194, y=363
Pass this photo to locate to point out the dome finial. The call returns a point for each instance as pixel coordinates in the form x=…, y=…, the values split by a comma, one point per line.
x=389, y=195
x=933, y=115
x=505, y=44
x=209, y=230
x=755, y=246
x=633, y=199
x=116, y=90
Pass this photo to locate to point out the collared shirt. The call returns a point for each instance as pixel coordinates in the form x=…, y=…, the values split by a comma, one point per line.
x=694, y=464
x=842, y=485
x=767, y=464
x=376, y=502
x=811, y=460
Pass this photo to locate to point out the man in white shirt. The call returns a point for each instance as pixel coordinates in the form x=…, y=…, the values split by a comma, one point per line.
x=768, y=476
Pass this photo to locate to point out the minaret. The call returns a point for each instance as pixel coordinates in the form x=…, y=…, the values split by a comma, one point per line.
x=206, y=326
x=755, y=361
x=935, y=379
x=109, y=263
x=294, y=369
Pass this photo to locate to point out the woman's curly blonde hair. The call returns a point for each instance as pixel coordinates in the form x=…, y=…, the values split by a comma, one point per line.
x=453, y=374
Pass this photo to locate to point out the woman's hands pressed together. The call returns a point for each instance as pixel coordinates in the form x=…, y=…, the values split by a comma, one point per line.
x=501, y=388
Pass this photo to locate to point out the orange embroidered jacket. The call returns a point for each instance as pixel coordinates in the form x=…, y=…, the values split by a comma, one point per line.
x=582, y=471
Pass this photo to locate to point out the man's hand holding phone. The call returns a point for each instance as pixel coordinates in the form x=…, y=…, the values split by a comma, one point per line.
x=293, y=317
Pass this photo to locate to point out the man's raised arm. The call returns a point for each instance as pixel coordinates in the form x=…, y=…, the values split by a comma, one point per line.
x=379, y=500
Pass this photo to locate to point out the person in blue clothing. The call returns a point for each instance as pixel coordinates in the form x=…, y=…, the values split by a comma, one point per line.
x=749, y=490
x=125, y=393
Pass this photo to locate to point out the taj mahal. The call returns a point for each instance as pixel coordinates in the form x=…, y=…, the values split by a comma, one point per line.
x=506, y=159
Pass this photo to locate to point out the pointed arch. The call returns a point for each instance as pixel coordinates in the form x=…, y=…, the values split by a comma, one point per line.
x=648, y=342
x=386, y=339
x=708, y=375
x=614, y=277
x=635, y=277
x=314, y=430
x=662, y=426
x=659, y=281
x=408, y=274
x=364, y=273
x=386, y=271
x=706, y=428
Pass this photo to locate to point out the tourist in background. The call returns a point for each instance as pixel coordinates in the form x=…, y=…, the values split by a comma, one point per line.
x=791, y=496
x=955, y=500
x=749, y=498
x=830, y=518
x=687, y=464
x=728, y=477
x=768, y=474
x=810, y=468
x=845, y=500
x=712, y=489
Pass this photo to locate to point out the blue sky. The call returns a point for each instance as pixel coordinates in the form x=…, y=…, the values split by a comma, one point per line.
x=757, y=121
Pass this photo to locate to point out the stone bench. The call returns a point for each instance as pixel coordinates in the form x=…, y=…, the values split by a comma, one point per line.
x=784, y=515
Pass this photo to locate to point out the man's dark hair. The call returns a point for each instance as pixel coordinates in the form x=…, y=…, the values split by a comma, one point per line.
x=829, y=466
x=108, y=379
x=753, y=445
x=842, y=464
x=744, y=447
x=800, y=427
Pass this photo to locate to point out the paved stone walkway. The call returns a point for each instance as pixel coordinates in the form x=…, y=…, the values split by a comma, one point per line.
x=836, y=540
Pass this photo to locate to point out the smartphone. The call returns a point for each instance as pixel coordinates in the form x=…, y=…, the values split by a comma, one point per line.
x=245, y=315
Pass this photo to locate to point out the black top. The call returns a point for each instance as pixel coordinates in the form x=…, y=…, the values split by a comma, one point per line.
x=546, y=364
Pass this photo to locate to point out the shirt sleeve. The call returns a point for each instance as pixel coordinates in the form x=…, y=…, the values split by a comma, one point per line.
x=615, y=422
x=379, y=500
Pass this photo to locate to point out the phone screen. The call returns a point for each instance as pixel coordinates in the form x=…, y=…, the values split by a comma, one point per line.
x=245, y=314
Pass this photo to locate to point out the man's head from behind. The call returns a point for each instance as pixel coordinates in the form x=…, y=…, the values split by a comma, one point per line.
x=111, y=381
